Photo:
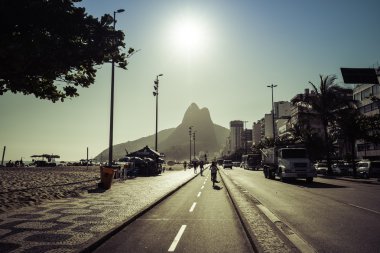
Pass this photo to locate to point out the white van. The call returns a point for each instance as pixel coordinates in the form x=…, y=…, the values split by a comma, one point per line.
x=367, y=169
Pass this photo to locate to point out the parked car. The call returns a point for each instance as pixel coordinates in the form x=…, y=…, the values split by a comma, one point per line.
x=367, y=169
x=341, y=168
x=321, y=168
x=236, y=164
x=227, y=164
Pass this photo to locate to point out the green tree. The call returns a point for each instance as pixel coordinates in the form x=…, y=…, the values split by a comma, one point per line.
x=326, y=99
x=302, y=133
x=49, y=48
x=351, y=126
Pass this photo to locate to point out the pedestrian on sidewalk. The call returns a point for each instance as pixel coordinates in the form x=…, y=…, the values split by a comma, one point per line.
x=195, y=166
x=184, y=165
x=201, y=167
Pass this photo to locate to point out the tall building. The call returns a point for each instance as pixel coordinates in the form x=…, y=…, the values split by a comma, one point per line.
x=282, y=109
x=236, y=127
x=268, y=126
x=247, y=139
x=256, y=132
x=368, y=97
x=303, y=115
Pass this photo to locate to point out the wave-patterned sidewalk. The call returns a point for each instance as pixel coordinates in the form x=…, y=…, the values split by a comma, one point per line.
x=73, y=224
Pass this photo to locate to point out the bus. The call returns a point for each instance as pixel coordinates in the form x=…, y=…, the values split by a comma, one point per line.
x=251, y=161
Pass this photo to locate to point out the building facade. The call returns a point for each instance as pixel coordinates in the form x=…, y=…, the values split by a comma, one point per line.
x=368, y=98
x=268, y=126
x=236, y=132
x=282, y=109
x=257, y=134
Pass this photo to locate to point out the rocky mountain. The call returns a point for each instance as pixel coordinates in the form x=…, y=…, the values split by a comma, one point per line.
x=175, y=142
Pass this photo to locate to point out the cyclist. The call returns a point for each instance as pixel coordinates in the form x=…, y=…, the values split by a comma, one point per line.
x=213, y=169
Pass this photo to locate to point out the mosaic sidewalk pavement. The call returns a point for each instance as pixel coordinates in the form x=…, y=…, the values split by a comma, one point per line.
x=69, y=225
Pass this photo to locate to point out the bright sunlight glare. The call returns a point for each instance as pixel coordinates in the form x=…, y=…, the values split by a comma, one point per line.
x=188, y=35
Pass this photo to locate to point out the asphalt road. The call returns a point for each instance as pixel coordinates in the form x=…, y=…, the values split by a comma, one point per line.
x=197, y=218
x=331, y=215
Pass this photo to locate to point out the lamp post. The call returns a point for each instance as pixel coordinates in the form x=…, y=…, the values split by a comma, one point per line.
x=190, y=129
x=155, y=93
x=274, y=133
x=194, y=142
x=112, y=95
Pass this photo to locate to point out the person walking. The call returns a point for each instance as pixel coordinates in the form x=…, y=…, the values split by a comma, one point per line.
x=213, y=169
x=184, y=165
x=195, y=166
x=201, y=167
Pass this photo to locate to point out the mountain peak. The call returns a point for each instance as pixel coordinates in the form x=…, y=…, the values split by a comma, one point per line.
x=191, y=112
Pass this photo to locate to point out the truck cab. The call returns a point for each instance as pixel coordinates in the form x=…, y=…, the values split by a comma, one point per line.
x=287, y=163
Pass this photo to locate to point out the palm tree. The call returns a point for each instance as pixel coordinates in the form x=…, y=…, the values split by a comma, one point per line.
x=325, y=100
x=351, y=126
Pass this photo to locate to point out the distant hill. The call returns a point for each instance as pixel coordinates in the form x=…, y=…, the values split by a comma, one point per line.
x=175, y=143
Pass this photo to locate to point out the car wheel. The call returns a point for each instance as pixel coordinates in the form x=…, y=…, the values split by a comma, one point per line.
x=309, y=180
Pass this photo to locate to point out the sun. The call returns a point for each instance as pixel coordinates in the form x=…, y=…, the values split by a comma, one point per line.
x=188, y=35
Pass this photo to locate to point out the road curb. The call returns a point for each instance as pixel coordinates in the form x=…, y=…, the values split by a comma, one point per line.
x=265, y=235
x=99, y=240
x=360, y=181
x=252, y=239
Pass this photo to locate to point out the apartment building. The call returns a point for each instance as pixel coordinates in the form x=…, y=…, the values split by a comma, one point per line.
x=368, y=97
x=236, y=132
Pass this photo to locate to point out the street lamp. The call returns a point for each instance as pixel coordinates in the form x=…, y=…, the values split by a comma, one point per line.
x=190, y=129
x=194, y=142
x=155, y=93
x=274, y=134
x=112, y=95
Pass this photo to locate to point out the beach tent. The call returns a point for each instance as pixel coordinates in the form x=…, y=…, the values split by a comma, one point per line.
x=145, y=152
x=150, y=158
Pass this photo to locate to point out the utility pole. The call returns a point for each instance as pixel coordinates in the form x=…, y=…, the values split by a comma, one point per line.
x=194, y=142
x=87, y=159
x=112, y=96
x=190, y=129
x=2, y=159
x=274, y=133
x=155, y=93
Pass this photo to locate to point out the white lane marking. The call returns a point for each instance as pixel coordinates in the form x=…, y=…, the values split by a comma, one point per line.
x=199, y=194
x=177, y=238
x=192, y=207
x=202, y=187
x=369, y=210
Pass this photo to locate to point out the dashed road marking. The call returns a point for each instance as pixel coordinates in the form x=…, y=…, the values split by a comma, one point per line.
x=192, y=207
x=369, y=210
x=177, y=238
x=202, y=187
x=199, y=194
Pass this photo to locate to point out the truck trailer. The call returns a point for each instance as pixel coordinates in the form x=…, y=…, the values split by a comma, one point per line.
x=287, y=163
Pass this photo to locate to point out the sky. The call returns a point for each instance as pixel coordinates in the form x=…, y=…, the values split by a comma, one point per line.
x=218, y=54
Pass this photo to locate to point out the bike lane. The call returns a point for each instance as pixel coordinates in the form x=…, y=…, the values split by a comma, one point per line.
x=197, y=218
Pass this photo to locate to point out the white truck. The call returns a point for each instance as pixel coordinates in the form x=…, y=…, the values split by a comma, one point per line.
x=287, y=163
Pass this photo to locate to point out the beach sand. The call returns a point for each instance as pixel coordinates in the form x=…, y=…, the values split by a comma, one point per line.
x=20, y=187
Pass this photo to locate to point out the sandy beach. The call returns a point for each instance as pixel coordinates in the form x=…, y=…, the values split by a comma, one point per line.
x=28, y=186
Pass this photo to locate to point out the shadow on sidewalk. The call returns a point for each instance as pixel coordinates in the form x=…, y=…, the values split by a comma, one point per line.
x=217, y=187
x=96, y=190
